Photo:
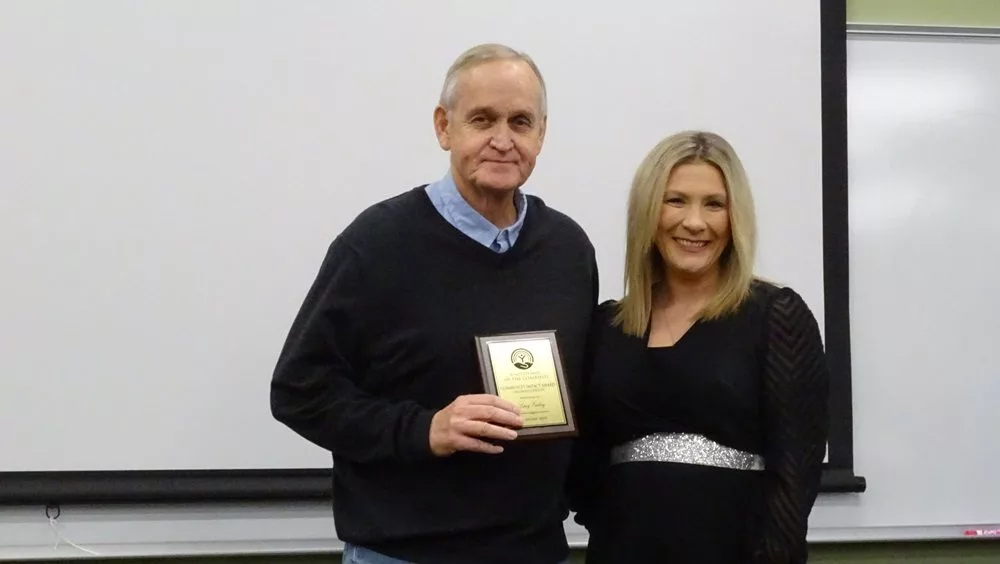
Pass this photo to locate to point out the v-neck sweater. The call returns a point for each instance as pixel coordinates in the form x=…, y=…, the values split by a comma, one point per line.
x=386, y=337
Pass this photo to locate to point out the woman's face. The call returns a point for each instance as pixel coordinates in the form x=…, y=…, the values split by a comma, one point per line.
x=694, y=220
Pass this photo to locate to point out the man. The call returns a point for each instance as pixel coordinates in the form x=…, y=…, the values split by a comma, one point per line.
x=380, y=365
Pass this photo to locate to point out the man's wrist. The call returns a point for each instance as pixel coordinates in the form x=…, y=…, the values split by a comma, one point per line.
x=417, y=447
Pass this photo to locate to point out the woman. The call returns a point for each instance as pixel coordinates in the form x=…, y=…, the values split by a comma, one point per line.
x=704, y=414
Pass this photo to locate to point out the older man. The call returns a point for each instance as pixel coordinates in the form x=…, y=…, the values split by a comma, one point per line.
x=380, y=365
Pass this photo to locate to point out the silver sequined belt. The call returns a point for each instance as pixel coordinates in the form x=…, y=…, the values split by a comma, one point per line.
x=685, y=448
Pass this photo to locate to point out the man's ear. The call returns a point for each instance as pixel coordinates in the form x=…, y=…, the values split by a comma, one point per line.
x=441, y=127
x=541, y=134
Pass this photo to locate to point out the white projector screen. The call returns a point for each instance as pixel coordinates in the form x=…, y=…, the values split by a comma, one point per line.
x=173, y=171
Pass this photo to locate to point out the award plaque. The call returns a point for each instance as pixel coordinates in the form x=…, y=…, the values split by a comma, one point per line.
x=526, y=369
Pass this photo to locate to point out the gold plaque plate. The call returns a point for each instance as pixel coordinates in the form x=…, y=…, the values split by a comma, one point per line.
x=526, y=369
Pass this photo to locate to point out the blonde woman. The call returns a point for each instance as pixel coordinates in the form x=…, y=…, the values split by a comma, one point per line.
x=705, y=410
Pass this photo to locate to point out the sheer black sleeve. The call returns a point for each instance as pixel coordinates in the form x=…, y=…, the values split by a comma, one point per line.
x=795, y=388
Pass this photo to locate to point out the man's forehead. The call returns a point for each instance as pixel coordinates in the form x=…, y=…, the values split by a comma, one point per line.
x=498, y=101
x=499, y=107
x=501, y=86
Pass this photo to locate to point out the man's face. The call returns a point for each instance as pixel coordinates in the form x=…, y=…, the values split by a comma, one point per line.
x=495, y=128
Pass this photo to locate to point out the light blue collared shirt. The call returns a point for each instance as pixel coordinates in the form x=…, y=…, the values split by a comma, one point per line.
x=453, y=207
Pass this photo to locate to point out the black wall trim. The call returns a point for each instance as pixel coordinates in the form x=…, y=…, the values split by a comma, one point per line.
x=166, y=486
x=198, y=486
x=182, y=486
x=836, y=237
x=842, y=481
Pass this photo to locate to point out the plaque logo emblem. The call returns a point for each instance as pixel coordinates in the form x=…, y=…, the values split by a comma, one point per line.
x=522, y=358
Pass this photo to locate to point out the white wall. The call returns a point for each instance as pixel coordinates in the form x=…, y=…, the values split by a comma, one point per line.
x=923, y=124
x=172, y=172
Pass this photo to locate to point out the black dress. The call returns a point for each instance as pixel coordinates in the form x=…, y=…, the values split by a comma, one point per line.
x=755, y=381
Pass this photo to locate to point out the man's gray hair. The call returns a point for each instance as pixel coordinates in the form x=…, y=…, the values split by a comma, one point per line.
x=478, y=55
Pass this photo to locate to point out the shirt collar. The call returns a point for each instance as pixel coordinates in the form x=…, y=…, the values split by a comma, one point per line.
x=452, y=206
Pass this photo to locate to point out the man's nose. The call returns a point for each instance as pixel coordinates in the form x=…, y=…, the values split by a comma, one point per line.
x=501, y=140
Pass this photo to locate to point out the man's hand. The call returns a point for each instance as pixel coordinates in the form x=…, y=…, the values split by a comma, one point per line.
x=462, y=424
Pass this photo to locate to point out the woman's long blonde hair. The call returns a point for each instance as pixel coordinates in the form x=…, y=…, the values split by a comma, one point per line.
x=644, y=267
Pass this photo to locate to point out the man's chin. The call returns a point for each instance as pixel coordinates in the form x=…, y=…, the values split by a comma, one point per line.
x=499, y=186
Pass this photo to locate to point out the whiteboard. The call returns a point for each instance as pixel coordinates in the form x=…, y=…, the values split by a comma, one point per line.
x=924, y=120
x=173, y=171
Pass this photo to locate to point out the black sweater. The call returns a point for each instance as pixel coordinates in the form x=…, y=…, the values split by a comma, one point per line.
x=385, y=338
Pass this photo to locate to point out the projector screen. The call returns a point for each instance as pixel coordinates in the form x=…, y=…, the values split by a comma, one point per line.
x=173, y=171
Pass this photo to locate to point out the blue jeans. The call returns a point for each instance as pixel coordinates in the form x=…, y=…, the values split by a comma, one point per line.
x=354, y=554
